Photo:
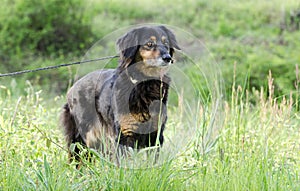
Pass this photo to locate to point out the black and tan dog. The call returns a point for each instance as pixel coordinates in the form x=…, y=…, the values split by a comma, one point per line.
x=124, y=106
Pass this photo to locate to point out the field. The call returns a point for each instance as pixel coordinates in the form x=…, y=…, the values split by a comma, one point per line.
x=239, y=134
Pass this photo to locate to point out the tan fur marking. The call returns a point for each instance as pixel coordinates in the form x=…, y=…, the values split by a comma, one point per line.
x=92, y=137
x=135, y=123
x=149, y=54
x=96, y=136
x=153, y=38
x=151, y=71
x=127, y=126
x=141, y=117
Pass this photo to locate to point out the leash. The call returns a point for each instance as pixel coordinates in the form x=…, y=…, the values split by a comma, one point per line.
x=55, y=67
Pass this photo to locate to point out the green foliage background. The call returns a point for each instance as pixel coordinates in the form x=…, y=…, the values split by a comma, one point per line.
x=257, y=36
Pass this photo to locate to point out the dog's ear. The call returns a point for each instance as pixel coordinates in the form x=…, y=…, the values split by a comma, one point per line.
x=128, y=47
x=172, y=40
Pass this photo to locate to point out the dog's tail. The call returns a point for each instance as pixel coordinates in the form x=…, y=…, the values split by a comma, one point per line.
x=70, y=132
x=68, y=124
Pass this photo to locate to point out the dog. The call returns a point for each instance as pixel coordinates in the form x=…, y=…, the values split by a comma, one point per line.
x=125, y=106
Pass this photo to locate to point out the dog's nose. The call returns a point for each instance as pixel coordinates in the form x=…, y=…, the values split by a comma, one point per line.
x=167, y=58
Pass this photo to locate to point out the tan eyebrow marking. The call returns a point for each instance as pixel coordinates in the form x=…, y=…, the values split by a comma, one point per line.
x=153, y=38
x=163, y=38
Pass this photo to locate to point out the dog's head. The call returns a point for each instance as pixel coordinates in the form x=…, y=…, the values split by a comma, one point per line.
x=150, y=47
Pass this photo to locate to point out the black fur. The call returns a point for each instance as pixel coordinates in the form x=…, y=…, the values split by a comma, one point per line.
x=122, y=106
x=71, y=132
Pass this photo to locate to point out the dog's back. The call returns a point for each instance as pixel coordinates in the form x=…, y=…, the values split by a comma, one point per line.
x=81, y=118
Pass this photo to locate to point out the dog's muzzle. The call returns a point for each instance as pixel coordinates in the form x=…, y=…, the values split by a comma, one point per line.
x=167, y=58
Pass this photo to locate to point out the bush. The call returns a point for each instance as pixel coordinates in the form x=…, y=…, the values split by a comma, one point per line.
x=49, y=28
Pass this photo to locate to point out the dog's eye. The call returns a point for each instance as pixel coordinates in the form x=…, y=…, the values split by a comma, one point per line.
x=150, y=44
x=166, y=44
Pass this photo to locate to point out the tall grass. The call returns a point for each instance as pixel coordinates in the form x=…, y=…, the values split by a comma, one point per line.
x=257, y=149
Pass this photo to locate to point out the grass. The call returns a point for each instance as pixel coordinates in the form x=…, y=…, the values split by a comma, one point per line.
x=253, y=145
x=257, y=148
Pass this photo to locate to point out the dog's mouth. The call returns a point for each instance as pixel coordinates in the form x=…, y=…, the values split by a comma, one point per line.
x=159, y=62
x=154, y=67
